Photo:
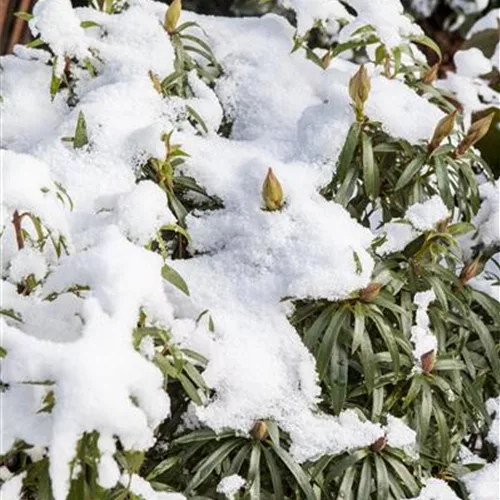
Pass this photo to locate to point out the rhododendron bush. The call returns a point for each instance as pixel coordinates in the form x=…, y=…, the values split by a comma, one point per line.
x=239, y=265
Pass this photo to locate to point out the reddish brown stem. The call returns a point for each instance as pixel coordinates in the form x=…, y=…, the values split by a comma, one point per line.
x=16, y=220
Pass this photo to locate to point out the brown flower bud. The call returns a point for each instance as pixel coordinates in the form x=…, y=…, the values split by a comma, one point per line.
x=428, y=360
x=443, y=129
x=172, y=16
x=370, y=293
x=379, y=444
x=476, y=132
x=272, y=192
x=326, y=60
x=359, y=90
x=259, y=430
x=470, y=270
x=431, y=74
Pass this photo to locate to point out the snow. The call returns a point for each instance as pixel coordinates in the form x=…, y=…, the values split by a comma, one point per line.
x=399, y=435
x=468, y=7
x=11, y=489
x=489, y=21
x=487, y=219
x=391, y=99
x=421, y=335
x=56, y=23
x=471, y=62
x=309, y=12
x=397, y=235
x=26, y=262
x=481, y=484
x=419, y=217
x=375, y=13
x=140, y=487
x=424, y=216
x=141, y=212
x=425, y=8
x=436, y=489
x=230, y=485
x=473, y=93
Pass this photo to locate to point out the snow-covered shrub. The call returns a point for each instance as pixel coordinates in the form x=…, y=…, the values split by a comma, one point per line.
x=238, y=264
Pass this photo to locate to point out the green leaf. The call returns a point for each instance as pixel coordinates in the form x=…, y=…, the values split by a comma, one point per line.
x=81, y=139
x=296, y=470
x=200, y=436
x=208, y=465
x=194, y=375
x=443, y=432
x=337, y=377
x=275, y=473
x=10, y=313
x=162, y=467
x=449, y=364
x=329, y=339
x=173, y=277
x=402, y=472
x=414, y=391
x=347, y=154
x=340, y=466
x=443, y=181
x=365, y=480
x=197, y=118
x=368, y=362
x=346, y=489
x=424, y=413
x=461, y=228
x=488, y=343
x=359, y=327
x=410, y=171
x=428, y=42
x=371, y=175
x=89, y=24
x=388, y=335
x=274, y=432
x=177, y=208
x=254, y=472
x=382, y=478
x=189, y=388
x=55, y=81
x=239, y=458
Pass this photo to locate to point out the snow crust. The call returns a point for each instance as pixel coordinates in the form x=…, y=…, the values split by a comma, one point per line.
x=436, y=489
x=11, y=488
x=230, y=485
x=389, y=100
x=421, y=335
x=482, y=483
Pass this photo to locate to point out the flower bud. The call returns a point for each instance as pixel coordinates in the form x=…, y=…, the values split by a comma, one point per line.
x=431, y=75
x=470, y=270
x=259, y=431
x=370, y=293
x=326, y=60
x=476, y=132
x=379, y=444
x=272, y=193
x=428, y=360
x=359, y=90
x=443, y=129
x=172, y=16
